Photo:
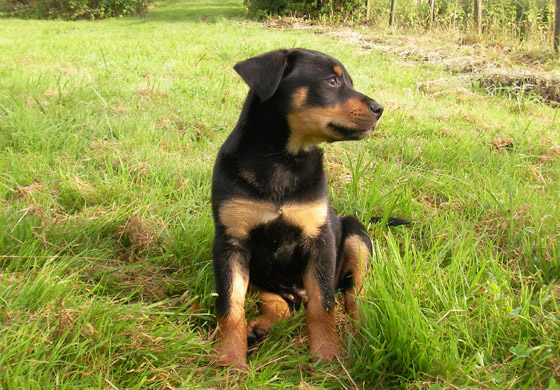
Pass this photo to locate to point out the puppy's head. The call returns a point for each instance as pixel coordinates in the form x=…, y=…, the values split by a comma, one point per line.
x=320, y=102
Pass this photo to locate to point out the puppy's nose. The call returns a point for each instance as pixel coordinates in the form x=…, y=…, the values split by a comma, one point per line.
x=376, y=108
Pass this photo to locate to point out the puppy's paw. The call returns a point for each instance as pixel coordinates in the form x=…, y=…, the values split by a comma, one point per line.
x=254, y=335
x=232, y=356
x=327, y=351
x=257, y=329
x=235, y=363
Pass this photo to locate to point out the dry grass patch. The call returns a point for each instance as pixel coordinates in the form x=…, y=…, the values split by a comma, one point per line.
x=148, y=92
x=140, y=233
x=146, y=281
x=502, y=143
x=552, y=154
x=545, y=85
x=28, y=190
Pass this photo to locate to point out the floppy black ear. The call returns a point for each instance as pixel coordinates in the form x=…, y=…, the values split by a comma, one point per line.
x=263, y=73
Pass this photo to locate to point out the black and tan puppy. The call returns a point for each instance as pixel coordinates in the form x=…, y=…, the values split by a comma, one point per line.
x=275, y=229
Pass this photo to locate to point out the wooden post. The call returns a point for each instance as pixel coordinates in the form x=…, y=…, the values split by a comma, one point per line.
x=392, y=12
x=557, y=26
x=432, y=12
x=477, y=10
x=368, y=10
x=454, y=15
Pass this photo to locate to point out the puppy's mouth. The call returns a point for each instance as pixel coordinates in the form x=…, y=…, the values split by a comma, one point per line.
x=351, y=133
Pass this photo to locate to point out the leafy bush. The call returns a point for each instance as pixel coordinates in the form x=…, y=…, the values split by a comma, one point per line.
x=325, y=10
x=267, y=8
x=73, y=9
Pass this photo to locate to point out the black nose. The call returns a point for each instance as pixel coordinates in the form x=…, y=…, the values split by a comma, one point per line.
x=376, y=108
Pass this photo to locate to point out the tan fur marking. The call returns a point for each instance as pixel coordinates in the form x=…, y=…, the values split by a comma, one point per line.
x=239, y=285
x=231, y=329
x=310, y=125
x=338, y=70
x=309, y=217
x=321, y=324
x=299, y=97
x=355, y=259
x=240, y=216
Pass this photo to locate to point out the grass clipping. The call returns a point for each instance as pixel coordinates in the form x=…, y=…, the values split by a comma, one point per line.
x=547, y=87
x=138, y=234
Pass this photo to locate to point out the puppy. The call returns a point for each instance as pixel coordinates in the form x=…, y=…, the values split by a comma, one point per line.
x=275, y=230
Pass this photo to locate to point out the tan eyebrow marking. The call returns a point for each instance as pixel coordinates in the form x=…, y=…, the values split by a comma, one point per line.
x=338, y=70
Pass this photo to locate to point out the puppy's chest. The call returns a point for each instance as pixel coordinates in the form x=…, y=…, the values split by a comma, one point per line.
x=241, y=216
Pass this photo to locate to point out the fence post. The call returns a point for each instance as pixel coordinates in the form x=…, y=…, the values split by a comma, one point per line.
x=391, y=13
x=432, y=11
x=557, y=26
x=477, y=10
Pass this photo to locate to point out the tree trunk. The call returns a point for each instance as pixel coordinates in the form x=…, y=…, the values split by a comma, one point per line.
x=478, y=16
x=557, y=26
x=392, y=12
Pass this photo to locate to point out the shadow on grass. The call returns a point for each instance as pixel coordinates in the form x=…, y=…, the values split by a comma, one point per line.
x=195, y=10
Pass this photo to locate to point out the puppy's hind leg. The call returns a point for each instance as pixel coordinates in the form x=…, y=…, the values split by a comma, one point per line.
x=354, y=261
x=319, y=283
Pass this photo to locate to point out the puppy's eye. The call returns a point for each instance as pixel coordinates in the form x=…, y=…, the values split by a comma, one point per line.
x=332, y=81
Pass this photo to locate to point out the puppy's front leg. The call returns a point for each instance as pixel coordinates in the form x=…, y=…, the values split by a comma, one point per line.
x=318, y=281
x=232, y=279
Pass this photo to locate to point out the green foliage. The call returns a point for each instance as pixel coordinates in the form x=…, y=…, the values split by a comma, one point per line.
x=267, y=8
x=74, y=9
x=327, y=10
x=519, y=18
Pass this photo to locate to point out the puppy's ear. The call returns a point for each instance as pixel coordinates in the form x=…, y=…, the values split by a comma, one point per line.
x=263, y=73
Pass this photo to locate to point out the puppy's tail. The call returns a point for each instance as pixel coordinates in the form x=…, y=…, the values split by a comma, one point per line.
x=391, y=221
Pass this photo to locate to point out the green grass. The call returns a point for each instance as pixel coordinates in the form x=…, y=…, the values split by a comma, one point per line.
x=108, y=132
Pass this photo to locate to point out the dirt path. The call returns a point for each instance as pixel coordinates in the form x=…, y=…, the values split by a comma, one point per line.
x=495, y=67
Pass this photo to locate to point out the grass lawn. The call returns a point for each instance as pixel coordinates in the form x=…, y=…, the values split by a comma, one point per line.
x=108, y=133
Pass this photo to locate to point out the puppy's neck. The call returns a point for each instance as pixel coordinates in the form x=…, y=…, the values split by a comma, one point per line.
x=265, y=130
x=258, y=146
